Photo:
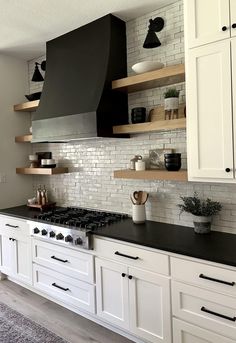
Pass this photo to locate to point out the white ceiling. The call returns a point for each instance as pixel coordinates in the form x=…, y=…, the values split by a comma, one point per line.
x=25, y=25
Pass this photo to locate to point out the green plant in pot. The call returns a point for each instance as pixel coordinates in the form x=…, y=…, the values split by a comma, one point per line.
x=202, y=211
x=171, y=99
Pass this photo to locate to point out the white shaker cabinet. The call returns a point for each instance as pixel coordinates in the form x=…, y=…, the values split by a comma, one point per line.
x=207, y=21
x=209, y=119
x=134, y=299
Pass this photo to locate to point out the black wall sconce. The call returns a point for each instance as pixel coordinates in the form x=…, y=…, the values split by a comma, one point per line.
x=152, y=40
x=37, y=76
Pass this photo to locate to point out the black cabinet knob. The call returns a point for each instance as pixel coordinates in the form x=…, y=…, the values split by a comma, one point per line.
x=224, y=28
x=59, y=236
x=68, y=239
x=234, y=26
x=123, y=274
x=227, y=170
x=44, y=232
x=52, y=234
x=78, y=241
x=36, y=230
x=130, y=277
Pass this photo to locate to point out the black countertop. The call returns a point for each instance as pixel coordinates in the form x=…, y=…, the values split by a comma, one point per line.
x=216, y=246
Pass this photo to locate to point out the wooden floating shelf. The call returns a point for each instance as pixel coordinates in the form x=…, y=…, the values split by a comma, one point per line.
x=180, y=175
x=41, y=171
x=152, y=79
x=23, y=139
x=159, y=125
x=28, y=106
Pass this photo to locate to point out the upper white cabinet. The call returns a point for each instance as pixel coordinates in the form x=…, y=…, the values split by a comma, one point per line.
x=209, y=120
x=208, y=21
x=233, y=17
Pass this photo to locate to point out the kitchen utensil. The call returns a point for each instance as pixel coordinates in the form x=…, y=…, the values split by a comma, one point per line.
x=144, y=197
x=132, y=200
x=145, y=66
x=138, y=197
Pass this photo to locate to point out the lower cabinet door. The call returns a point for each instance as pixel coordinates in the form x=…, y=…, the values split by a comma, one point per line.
x=23, y=269
x=68, y=290
x=8, y=262
x=112, y=292
x=150, y=316
x=188, y=333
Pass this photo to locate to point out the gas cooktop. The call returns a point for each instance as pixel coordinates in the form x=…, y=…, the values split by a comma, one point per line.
x=72, y=225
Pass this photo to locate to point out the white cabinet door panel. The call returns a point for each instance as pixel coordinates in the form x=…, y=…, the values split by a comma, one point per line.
x=8, y=256
x=233, y=17
x=112, y=293
x=24, y=260
x=150, y=306
x=209, y=108
x=205, y=20
x=188, y=333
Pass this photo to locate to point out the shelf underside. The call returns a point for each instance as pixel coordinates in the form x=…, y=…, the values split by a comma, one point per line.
x=28, y=106
x=41, y=171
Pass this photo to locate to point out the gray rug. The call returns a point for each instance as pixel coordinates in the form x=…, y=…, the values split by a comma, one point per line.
x=15, y=328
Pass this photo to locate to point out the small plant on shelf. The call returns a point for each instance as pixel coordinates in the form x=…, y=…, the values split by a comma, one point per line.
x=202, y=211
x=171, y=93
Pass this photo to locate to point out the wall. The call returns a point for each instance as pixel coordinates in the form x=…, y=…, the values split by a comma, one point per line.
x=14, y=189
x=91, y=163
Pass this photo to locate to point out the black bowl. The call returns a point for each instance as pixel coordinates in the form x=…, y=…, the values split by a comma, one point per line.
x=173, y=155
x=33, y=96
x=172, y=160
x=173, y=166
x=138, y=118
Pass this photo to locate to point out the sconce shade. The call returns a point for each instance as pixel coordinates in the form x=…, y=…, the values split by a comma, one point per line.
x=37, y=76
x=151, y=40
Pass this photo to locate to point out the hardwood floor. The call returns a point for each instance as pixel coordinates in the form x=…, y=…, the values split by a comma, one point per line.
x=66, y=324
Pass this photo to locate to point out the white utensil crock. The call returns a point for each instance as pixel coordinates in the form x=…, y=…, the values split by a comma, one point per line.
x=139, y=213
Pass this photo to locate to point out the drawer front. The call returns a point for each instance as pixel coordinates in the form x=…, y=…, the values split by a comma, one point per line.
x=203, y=275
x=213, y=311
x=64, y=260
x=14, y=226
x=137, y=257
x=188, y=333
x=70, y=291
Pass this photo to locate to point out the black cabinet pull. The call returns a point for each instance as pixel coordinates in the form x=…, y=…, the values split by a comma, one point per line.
x=123, y=255
x=224, y=28
x=14, y=226
x=123, y=274
x=62, y=288
x=202, y=276
x=234, y=26
x=130, y=277
x=59, y=259
x=227, y=170
x=232, y=319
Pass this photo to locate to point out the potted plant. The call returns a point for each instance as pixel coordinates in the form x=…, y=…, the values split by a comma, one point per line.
x=171, y=99
x=202, y=211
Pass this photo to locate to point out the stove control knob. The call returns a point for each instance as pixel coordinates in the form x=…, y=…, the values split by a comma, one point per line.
x=52, y=234
x=36, y=230
x=78, y=241
x=59, y=236
x=44, y=232
x=68, y=239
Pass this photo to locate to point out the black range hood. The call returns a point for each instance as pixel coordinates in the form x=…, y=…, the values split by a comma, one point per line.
x=77, y=101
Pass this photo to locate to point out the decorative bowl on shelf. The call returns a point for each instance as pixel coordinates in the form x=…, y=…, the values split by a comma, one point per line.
x=33, y=96
x=145, y=66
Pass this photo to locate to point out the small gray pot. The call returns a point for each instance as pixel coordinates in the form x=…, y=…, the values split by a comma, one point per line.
x=202, y=224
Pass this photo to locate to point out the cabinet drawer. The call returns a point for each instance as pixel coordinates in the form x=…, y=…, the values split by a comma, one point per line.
x=138, y=257
x=14, y=226
x=64, y=260
x=199, y=274
x=213, y=311
x=70, y=291
x=188, y=333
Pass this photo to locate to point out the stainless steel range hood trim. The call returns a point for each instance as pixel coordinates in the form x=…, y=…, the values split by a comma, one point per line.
x=56, y=129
